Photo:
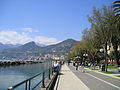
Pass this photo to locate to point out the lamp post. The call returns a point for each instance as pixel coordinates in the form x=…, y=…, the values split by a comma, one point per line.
x=85, y=55
x=105, y=57
x=102, y=65
x=101, y=50
x=77, y=63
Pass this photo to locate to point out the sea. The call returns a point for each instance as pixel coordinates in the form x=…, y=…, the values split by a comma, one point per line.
x=12, y=75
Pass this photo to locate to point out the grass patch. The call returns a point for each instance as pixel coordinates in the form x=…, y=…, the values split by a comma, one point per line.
x=92, y=68
x=108, y=72
x=118, y=75
x=113, y=67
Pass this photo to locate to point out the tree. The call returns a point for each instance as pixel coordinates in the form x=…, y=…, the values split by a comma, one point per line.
x=104, y=30
x=98, y=20
x=116, y=37
x=91, y=46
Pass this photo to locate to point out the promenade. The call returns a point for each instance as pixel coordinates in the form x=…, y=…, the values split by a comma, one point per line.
x=67, y=80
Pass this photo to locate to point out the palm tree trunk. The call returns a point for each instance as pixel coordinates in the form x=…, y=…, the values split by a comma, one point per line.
x=116, y=54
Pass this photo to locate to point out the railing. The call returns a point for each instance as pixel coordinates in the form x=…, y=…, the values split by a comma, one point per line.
x=28, y=81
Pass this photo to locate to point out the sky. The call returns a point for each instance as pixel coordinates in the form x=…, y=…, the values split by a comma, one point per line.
x=45, y=21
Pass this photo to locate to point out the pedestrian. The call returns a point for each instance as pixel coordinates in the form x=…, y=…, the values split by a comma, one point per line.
x=76, y=66
x=83, y=70
x=68, y=63
x=73, y=63
x=63, y=62
x=58, y=67
x=55, y=66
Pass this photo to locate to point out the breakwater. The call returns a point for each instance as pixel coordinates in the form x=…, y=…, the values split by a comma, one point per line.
x=19, y=62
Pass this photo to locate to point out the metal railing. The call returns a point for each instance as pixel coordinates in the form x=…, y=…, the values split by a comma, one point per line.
x=27, y=82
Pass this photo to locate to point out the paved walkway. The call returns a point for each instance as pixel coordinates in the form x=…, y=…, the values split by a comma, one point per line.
x=69, y=81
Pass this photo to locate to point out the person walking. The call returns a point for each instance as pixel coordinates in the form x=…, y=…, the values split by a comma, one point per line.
x=83, y=65
x=76, y=65
x=57, y=66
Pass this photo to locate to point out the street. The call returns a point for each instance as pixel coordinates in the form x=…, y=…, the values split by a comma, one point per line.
x=96, y=81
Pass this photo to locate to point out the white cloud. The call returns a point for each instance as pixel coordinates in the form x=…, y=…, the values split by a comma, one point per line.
x=13, y=37
x=45, y=40
x=30, y=30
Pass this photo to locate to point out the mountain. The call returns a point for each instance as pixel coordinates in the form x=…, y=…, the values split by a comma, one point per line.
x=31, y=46
x=20, y=51
x=62, y=47
x=41, y=45
x=32, y=49
x=6, y=46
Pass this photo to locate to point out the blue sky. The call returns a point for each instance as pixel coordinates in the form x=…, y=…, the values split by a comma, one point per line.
x=45, y=21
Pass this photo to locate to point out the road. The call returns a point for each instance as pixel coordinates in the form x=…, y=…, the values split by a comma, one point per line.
x=96, y=81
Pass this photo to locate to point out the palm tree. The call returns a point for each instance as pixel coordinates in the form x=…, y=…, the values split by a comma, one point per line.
x=116, y=42
x=116, y=9
x=116, y=6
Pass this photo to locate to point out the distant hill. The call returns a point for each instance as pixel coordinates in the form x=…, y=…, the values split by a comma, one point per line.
x=61, y=47
x=20, y=51
x=31, y=46
x=32, y=49
x=6, y=46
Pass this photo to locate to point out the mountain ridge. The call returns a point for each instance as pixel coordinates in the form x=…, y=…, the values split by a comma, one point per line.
x=32, y=49
x=6, y=46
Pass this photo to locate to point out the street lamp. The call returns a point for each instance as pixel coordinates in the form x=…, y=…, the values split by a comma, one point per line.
x=105, y=57
x=85, y=55
x=101, y=50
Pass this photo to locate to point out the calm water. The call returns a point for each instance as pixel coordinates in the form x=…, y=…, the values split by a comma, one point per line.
x=12, y=75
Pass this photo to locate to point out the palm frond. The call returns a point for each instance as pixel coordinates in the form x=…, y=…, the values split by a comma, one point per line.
x=116, y=5
x=118, y=1
x=116, y=8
